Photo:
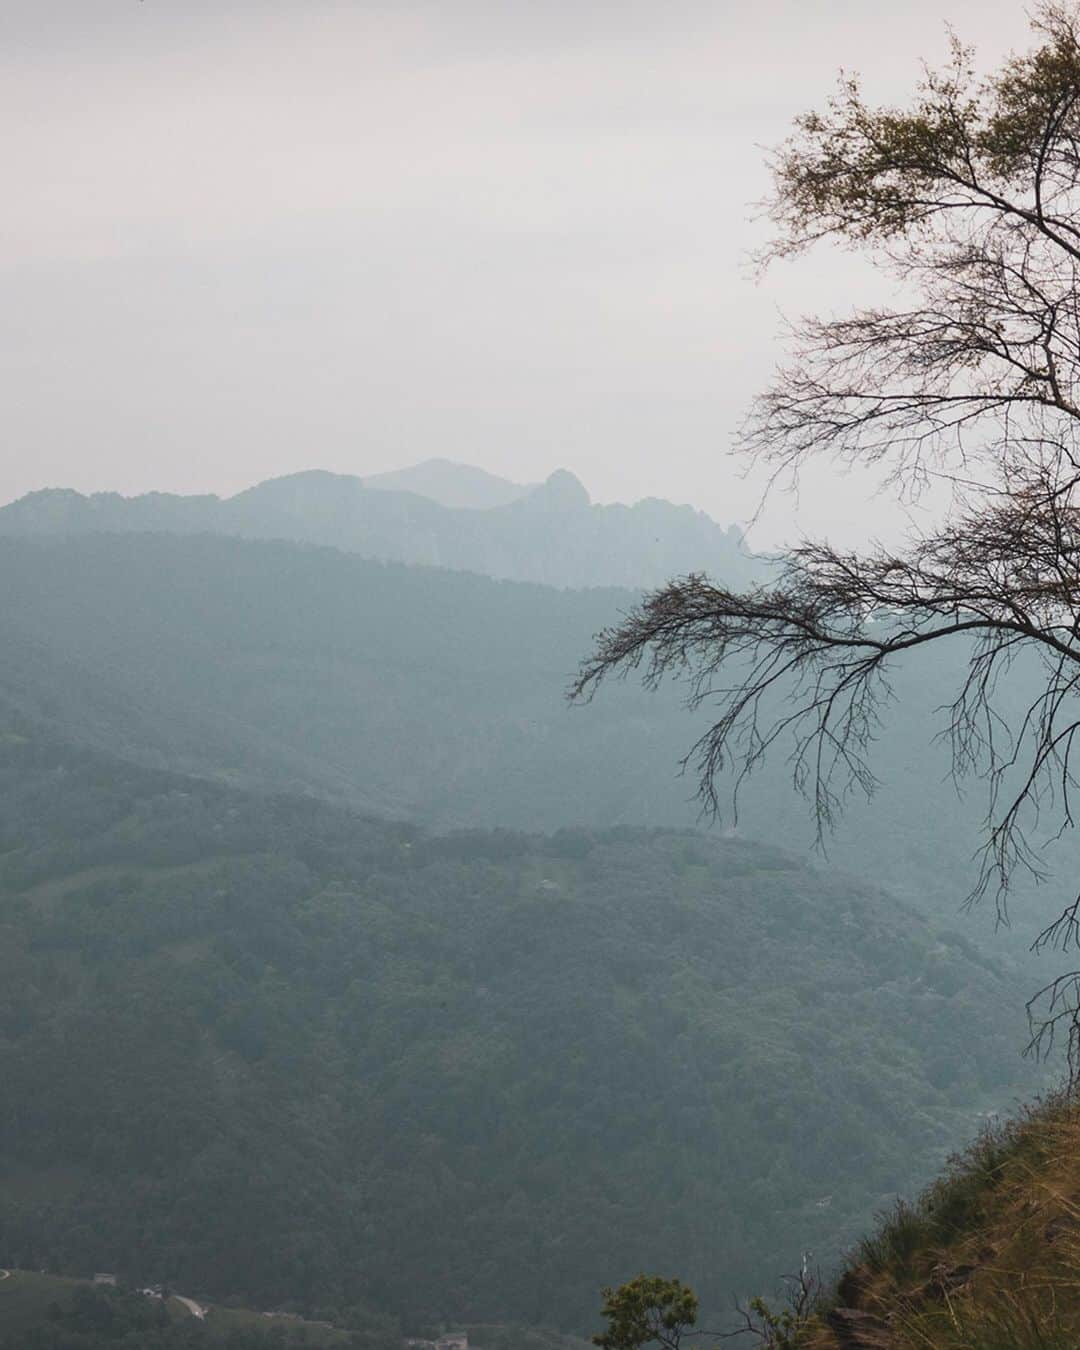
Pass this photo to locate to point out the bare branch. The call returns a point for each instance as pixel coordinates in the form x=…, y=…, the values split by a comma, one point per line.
x=971, y=198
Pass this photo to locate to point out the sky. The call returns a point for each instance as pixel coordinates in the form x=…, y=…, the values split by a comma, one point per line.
x=243, y=238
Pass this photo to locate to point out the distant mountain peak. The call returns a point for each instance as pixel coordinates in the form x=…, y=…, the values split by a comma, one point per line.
x=437, y=513
x=562, y=491
x=450, y=484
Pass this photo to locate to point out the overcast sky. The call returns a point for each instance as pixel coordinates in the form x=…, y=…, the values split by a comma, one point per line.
x=246, y=237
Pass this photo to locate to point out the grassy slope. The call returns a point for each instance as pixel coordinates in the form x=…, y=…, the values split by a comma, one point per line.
x=987, y=1259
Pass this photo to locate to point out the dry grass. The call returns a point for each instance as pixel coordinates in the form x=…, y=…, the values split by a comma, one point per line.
x=989, y=1258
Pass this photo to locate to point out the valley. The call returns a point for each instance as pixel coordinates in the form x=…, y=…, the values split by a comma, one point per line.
x=539, y=657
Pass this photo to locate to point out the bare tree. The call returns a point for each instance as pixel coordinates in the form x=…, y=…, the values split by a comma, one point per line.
x=970, y=197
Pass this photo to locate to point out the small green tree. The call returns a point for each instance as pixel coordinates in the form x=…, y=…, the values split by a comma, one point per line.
x=645, y=1309
x=651, y=1308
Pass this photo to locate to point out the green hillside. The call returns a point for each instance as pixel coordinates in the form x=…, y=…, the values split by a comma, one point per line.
x=261, y=1049
x=39, y=1311
x=411, y=691
x=423, y=694
x=50, y=1312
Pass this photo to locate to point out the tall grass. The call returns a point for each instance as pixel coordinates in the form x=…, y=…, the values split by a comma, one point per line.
x=988, y=1258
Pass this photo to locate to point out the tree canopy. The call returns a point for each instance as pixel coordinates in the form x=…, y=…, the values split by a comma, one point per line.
x=645, y=1309
x=271, y=1053
x=969, y=198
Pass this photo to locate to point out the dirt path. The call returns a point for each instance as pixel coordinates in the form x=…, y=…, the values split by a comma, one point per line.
x=195, y=1309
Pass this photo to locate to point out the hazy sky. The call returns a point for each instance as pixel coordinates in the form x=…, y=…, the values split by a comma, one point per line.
x=245, y=237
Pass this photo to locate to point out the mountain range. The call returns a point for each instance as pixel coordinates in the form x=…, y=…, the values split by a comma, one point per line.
x=428, y=695
x=437, y=514
x=343, y=965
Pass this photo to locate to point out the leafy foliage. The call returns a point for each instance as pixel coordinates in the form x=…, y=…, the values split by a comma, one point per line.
x=969, y=198
x=645, y=1309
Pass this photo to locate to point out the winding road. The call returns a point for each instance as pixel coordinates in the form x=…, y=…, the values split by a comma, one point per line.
x=195, y=1309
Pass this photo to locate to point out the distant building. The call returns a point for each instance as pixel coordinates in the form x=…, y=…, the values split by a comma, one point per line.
x=460, y=1342
x=103, y=1277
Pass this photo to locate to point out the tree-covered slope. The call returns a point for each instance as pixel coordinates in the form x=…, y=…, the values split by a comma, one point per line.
x=434, y=694
x=258, y=1047
x=420, y=693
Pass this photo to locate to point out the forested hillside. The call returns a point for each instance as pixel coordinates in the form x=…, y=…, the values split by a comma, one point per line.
x=261, y=1048
x=551, y=533
x=425, y=694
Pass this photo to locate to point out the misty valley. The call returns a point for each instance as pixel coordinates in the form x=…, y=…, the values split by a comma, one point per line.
x=607, y=879
x=349, y=973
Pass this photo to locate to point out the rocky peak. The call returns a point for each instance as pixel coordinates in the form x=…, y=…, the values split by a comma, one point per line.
x=562, y=491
